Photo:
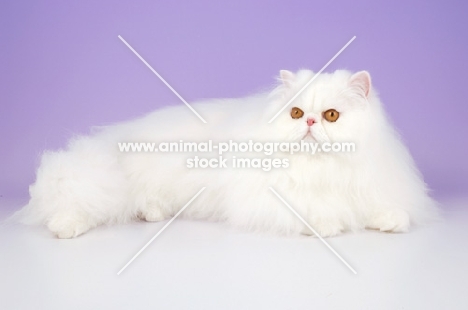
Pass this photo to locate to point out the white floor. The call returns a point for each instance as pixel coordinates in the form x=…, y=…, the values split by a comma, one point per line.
x=199, y=265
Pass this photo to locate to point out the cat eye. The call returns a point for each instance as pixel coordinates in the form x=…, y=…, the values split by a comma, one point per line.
x=296, y=113
x=331, y=115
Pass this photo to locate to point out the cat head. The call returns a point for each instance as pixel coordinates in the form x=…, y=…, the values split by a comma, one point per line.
x=333, y=108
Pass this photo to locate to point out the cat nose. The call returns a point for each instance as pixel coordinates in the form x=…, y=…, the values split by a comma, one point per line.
x=310, y=121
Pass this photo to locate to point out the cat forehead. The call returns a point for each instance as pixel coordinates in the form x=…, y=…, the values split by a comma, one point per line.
x=319, y=102
x=325, y=83
x=323, y=91
x=321, y=94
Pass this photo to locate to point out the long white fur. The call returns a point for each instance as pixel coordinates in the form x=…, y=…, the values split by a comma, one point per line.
x=378, y=186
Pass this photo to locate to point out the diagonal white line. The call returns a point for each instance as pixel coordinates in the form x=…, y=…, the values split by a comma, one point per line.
x=312, y=79
x=162, y=79
x=160, y=231
x=313, y=230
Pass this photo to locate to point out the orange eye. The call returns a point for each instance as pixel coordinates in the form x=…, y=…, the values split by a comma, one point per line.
x=296, y=113
x=331, y=115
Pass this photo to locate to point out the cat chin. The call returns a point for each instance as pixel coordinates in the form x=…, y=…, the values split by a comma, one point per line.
x=308, y=137
x=311, y=139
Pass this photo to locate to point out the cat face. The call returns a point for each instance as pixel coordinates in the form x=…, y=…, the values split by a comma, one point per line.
x=334, y=108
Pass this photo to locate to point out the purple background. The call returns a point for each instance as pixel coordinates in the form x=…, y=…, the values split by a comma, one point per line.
x=63, y=69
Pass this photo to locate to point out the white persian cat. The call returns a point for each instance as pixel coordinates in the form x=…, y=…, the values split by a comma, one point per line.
x=377, y=186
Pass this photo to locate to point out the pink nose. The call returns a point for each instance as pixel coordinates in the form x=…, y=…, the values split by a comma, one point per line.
x=310, y=121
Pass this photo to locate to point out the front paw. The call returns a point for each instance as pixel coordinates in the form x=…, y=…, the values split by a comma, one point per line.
x=323, y=229
x=65, y=227
x=152, y=215
x=390, y=221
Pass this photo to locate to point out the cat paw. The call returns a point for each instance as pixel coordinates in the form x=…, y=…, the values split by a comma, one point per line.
x=324, y=229
x=153, y=215
x=66, y=228
x=391, y=221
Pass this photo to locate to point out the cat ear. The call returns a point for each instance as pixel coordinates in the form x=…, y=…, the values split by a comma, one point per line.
x=287, y=77
x=361, y=81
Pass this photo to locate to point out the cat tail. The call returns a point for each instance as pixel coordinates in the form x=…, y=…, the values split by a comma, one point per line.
x=21, y=216
x=26, y=215
x=430, y=212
